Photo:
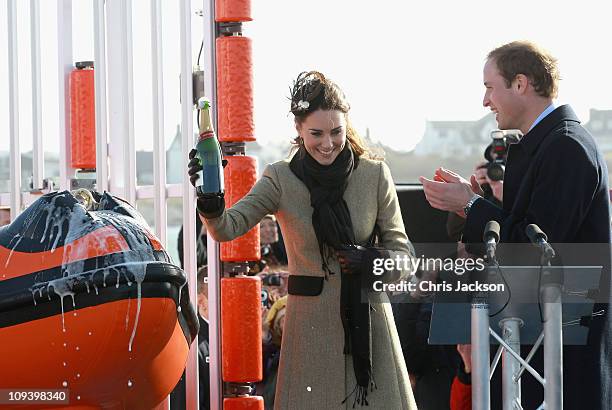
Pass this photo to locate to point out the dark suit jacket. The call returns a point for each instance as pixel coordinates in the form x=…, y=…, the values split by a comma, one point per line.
x=557, y=178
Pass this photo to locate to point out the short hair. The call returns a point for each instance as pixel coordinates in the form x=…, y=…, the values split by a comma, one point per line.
x=524, y=57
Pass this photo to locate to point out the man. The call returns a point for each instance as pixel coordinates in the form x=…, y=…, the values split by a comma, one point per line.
x=557, y=178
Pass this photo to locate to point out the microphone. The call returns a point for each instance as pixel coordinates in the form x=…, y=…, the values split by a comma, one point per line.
x=490, y=238
x=539, y=238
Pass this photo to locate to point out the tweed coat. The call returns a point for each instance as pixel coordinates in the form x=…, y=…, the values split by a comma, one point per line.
x=313, y=372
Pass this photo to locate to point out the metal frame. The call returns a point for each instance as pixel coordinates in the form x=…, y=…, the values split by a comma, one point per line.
x=513, y=365
x=114, y=121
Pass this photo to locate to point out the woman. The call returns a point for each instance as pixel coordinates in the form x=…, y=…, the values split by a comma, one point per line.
x=328, y=198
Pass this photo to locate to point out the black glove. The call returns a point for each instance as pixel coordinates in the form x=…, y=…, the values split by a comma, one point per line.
x=359, y=260
x=210, y=206
x=193, y=167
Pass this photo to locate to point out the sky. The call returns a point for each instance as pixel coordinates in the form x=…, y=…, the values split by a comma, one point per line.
x=399, y=63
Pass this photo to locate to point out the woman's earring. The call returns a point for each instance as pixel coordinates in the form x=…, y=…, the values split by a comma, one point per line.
x=300, y=140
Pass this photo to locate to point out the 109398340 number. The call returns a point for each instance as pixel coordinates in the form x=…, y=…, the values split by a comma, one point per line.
x=34, y=396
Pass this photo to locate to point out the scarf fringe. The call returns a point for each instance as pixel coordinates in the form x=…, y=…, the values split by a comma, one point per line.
x=361, y=392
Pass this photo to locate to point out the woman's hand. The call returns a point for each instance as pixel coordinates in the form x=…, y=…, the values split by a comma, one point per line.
x=359, y=260
x=193, y=167
x=209, y=206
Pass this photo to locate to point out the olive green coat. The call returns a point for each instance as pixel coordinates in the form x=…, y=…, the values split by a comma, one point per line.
x=314, y=373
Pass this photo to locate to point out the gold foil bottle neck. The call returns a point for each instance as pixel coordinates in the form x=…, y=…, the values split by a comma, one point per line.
x=206, y=125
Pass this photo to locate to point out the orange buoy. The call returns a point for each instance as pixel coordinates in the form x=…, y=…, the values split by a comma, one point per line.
x=243, y=403
x=240, y=175
x=233, y=10
x=82, y=116
x=241, y=329
x=235, y=89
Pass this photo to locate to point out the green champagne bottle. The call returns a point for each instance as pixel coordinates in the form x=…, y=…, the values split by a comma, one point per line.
x=209, y=154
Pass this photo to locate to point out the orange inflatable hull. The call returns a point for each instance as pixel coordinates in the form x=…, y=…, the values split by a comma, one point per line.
x=99, y=311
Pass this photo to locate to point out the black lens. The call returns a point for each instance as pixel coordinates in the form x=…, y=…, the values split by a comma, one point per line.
x=272, y=280
x=264, y=296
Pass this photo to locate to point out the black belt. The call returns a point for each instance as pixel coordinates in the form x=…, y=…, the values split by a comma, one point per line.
x=305, y=285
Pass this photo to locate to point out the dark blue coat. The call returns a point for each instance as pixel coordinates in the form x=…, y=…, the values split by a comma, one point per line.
x=557, y=178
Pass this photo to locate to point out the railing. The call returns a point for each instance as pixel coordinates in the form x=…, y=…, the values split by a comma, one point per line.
x=114, y=99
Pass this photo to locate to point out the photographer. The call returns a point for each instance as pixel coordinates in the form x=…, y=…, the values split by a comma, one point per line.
x=490, y=173
x=557, y=178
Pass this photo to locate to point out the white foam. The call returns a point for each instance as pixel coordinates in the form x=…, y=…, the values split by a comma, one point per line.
x=74, y=222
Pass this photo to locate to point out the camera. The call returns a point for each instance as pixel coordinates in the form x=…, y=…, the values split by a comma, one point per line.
x=496, y=152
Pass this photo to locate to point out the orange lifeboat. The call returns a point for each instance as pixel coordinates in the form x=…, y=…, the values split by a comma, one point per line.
x=90, y=303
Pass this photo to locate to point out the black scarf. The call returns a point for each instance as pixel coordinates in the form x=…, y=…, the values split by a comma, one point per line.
x=334, y=229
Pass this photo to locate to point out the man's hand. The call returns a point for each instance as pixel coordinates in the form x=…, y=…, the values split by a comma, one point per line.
x=498, y=189
x=451, y=195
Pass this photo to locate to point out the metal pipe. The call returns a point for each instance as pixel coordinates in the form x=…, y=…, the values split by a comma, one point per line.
x=38, y=159
x=64, y=61
x=100, y=96
x=120, y=103
x=214, y=265
x=189, y=232
x=13, y=80
x=511, y=389
x=481, y=399
x=553, y=347
x=159, y=146
x=130, y=148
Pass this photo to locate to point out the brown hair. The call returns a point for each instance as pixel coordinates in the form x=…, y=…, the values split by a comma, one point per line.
x=524, y=57
x=312, y=91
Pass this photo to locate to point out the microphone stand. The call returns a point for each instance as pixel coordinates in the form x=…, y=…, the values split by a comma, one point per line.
x=481, y=393
x=481, y=389
x=552, y=281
